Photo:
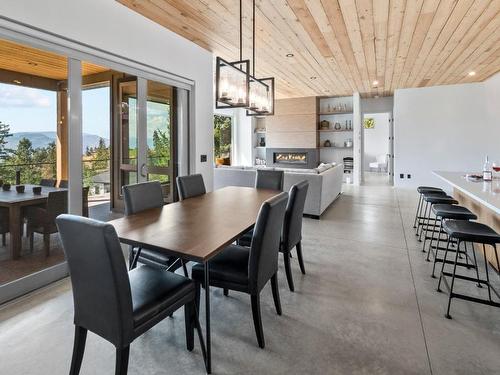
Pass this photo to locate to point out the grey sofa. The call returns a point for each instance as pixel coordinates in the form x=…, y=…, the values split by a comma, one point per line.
x=324, y=187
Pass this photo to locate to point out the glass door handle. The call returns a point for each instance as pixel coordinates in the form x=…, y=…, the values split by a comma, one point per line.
x=144, y=170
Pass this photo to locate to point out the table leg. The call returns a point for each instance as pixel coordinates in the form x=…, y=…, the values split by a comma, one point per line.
x=15, y=231
x=208, y=363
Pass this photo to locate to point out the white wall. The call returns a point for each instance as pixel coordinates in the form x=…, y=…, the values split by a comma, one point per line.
x=111, y=27
x=445, y=128
x=377, y=105
x=376, y=139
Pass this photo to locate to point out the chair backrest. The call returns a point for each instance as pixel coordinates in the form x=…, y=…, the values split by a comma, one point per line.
x=382, y=159
x=263, y=260
x=269, y=179
x=49, y=182
x=292, y=226
x=63, y=184
x=85, y=201
x=142, y=196
x=190, y=186
x=57, y=203
x=101, y=288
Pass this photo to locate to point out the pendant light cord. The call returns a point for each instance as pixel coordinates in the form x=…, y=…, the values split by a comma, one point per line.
x=241, y=33
x=253, y=38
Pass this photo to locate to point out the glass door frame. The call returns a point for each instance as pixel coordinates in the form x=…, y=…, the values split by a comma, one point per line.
x=75, y=53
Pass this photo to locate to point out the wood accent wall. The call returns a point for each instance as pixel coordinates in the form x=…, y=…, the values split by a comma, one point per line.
x=294, y=124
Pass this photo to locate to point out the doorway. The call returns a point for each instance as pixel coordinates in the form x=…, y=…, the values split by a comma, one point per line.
x=377, y=148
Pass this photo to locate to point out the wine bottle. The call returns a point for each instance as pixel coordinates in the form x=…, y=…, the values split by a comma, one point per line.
x=487, y=173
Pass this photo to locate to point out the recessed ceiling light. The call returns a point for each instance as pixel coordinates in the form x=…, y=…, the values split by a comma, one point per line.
x=289, y=55
x=17, y=81
x=472, y=73
x=314, y=77
x=375, y=83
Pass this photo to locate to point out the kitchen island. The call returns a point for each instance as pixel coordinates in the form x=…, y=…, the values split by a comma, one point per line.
x=481, y=197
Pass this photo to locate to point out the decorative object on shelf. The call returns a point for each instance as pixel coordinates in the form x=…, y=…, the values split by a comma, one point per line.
x=327, y=143
x=324, y=125
x=329, y=108
x=350, y=125
x=259, y=161
x=260, y=130
x=337, y=126
x=369, y=123
x=348, y=143
x=262, y=142
x=261, y=90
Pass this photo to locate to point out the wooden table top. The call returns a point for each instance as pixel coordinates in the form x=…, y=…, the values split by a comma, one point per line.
x=196, y=228
x=13, y=197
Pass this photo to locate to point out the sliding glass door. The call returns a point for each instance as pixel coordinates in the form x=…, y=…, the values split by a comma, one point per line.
x=147, y=135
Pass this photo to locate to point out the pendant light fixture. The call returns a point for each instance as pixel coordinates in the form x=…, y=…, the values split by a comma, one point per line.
x=261, y=90
x=232, y=80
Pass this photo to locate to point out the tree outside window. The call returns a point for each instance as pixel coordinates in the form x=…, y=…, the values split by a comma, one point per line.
x=222, y=139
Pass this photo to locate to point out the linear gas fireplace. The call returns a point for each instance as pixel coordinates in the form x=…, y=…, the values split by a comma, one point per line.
x=292, y=157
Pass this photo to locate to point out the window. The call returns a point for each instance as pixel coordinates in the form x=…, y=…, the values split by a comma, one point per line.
x=222, y=139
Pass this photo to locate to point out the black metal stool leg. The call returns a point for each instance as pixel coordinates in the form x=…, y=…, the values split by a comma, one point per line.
x=422, y=220
x=437, y=239
x=450, y=295
x=475, y=264
x=426, y=223
x=417, y=214
x=487, y=273
x=496, y=256
x=442, y=266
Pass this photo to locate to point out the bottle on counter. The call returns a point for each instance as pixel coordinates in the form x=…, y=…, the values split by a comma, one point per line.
x=487, y=173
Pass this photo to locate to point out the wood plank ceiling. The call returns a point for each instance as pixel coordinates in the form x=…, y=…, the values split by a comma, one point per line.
x=343, y=46
x=22, y=59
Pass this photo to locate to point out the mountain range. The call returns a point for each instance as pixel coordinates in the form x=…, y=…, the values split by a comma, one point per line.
x=42, y=139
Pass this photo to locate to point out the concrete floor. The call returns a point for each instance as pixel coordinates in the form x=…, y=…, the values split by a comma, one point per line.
x=366, y=306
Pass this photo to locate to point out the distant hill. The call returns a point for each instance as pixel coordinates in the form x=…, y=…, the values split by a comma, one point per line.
x=42, y=139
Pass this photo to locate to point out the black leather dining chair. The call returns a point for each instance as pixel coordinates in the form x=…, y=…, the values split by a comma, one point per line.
x=190, y=186
x=137, y=198
x=48, y=182
x=292, y=229
x=114, y=304
x=248, y=270
x=269, y=179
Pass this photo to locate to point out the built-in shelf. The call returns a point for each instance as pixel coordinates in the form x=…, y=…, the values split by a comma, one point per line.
x=259, y=147
x=333, y=147
x=334, y=131
x=260, y=131
x=335, y=113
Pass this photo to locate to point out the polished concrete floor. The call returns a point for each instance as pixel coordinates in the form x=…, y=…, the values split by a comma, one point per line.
x=366, y=306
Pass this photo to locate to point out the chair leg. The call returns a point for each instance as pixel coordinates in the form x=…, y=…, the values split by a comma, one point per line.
x=184, y=268
x=257, y=320
x=197, y=296
x=122, y=355
x=32, y=235
x=288, y=270
x=299, y=256
x=226, y=292
x=46, y=244
x=276, y=293
x=78, y=350
x=189, y=317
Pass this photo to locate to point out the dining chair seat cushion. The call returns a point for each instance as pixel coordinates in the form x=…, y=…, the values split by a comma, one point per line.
x=246, y=239
x=436, y=198
x=154, y=290
x=230, y=266
x=450, y=211
x=428, y=189
x=156, y=257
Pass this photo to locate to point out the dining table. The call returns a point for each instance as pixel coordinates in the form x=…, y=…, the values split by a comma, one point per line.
x=15, y=202
x=196, y=229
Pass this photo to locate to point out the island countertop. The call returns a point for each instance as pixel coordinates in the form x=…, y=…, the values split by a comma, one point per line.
x=486, y=193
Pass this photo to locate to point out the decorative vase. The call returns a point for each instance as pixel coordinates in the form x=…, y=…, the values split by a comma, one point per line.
x=325, y=125
x=327, y=143
x=262, y=142
x=338, y=126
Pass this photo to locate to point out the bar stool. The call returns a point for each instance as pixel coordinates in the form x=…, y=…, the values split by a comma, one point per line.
x=430, y=199
x=473, y=232
x=421, y=190
x=448, y=212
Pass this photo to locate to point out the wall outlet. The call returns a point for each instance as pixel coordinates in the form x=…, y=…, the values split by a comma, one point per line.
x=408, y=176
x=203, y=158
x=401, y=175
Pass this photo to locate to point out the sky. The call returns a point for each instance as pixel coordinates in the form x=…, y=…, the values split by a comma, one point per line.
x=33, y=110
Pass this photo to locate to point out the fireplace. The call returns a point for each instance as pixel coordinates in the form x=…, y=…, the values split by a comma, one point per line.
x=292, y=157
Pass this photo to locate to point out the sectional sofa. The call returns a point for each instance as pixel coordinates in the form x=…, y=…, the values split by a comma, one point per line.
x=325, y=183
